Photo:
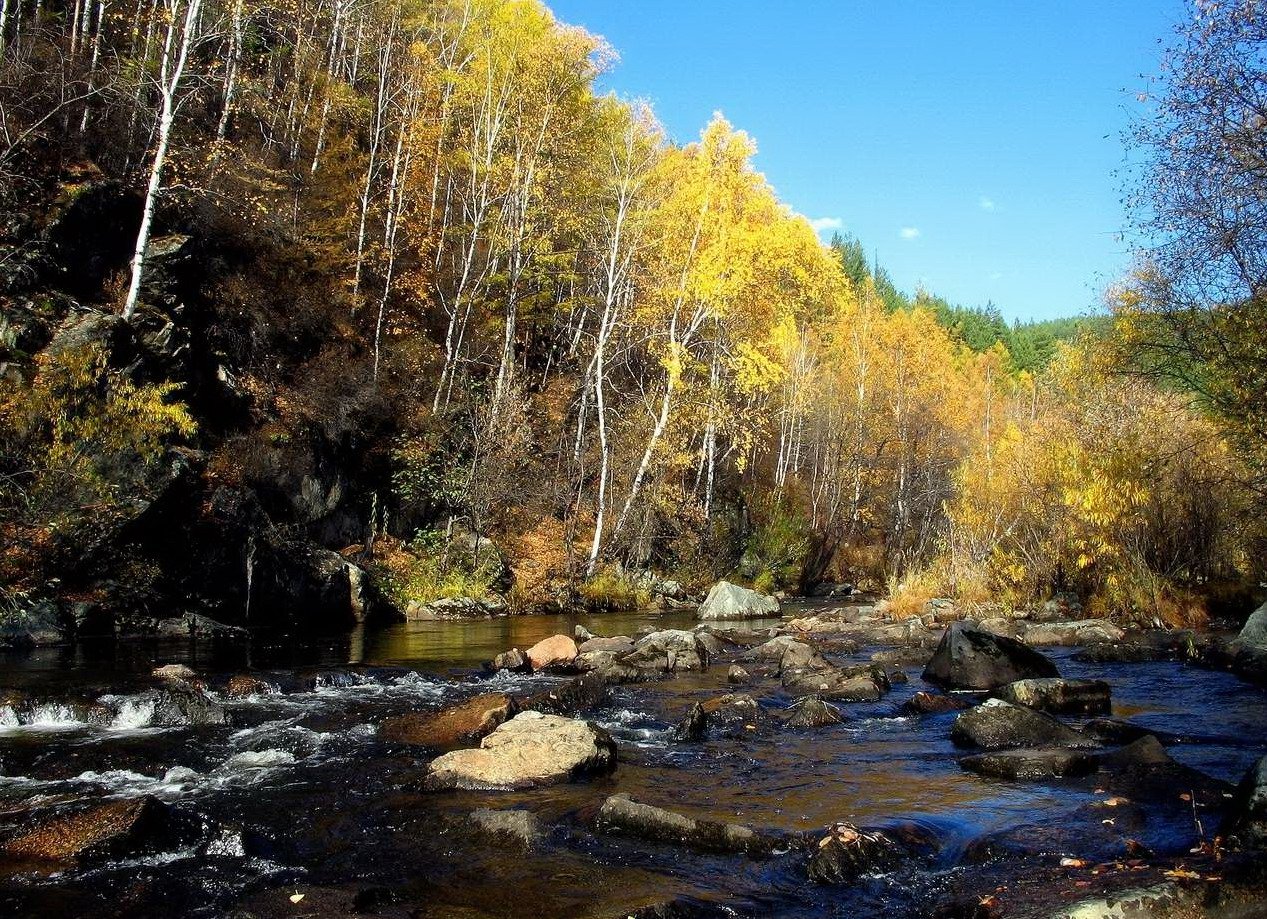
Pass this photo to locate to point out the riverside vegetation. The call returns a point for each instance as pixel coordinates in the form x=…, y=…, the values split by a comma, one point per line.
x=328, y=315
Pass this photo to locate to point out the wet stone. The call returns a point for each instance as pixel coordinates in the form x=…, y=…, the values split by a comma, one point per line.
x=969, y=658
x=1044, y=763
x=105, y=830
x=459, y=726
x=999, y=725
x=1059, y=697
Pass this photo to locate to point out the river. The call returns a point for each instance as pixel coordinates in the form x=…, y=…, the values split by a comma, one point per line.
x=297, y=794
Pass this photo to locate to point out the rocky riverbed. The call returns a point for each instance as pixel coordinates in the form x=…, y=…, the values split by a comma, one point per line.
x=827, y=762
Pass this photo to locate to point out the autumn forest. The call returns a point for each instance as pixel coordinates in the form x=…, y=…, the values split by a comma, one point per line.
x=383, y=279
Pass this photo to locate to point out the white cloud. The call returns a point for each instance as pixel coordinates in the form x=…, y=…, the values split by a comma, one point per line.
x=986, y=204
x=825, y=223
x=909, y=232
x=996, y=275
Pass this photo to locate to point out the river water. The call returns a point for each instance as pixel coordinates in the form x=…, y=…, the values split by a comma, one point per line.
x=298, y=795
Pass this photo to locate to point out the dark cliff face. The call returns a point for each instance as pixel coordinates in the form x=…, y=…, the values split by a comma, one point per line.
x=291, y=444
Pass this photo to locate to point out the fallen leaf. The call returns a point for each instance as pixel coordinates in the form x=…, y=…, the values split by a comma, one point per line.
x=296, y=897
x=1073, y=863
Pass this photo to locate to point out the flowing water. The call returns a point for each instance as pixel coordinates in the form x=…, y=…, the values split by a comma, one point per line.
x=297, y=794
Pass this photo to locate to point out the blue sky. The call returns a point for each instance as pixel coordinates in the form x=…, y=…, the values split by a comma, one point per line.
x=972, y=146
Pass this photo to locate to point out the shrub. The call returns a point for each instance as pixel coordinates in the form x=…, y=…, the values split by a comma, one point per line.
x=611, y=588
x=428, y=568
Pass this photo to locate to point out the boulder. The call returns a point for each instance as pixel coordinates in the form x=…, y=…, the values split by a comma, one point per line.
x=968, y=658
x=192, y=625
x=694, y=727
x=457, y=608
x=736, y=675
x=620, y=814
x=576, y=695
x=311, y=584
x=669, y=650
x=931, y=703
x=1059, y=696
x=1246, y=823
x=813, y=712
x=730, y=601
x=106, y=830
x=175, y=673
x=458, y=726
x=846, y=853
x=867, y=683
x=1145, y=771
x=513, y=660
x=617, y=645
x=999, y=725
x=243, y=686
x=1253, y=634
x=185, y=706
x=527, y=751
x=34, y=625
x=552, y=652
x=1039, y=763
x=1078, y=632
x=736, y=714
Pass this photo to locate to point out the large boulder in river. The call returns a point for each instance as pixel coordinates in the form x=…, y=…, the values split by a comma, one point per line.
x=458, y=726
x=1253, y=635
x=670, y=650
x=107, y=830
x=1246, y=824
x=551, y=652
x=529, y=750
x=1059, y=697
x=969, y=658
x=999, y=725
x=730, y=601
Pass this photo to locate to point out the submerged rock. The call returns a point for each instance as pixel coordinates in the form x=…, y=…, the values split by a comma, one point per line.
x=1059, y=696
x=621, y=814
x=552, y=652
x=458, y=726
x=106, y=830
x=180, y=706
x=730, y=601
x=529, y=750
x=969, y=658
x=517, y=826
x=1145, y=771
x=1039, y=763
x=999, y=725
x=736, y=675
